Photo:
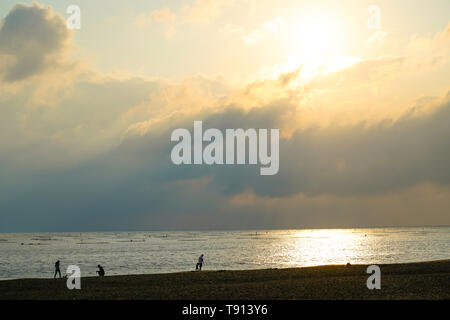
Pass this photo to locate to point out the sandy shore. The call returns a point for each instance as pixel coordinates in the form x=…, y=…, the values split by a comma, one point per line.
x=425, y=280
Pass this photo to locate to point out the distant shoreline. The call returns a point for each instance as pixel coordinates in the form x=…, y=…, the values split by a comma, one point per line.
x=419, y=280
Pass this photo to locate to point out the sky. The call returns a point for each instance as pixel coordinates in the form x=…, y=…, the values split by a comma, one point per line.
x=360, y=91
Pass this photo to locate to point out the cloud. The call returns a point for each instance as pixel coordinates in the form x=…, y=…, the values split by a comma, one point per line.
x=258, y=34
x=204, y=11
x=440, y=41
x=335, y=176
x=33, y=40
x=164, y=16
x=399, y=208
x=377, y=36
x=363, y=73
x=95, y=155
x=231, y=29
x=199, y=13
x=255, y=35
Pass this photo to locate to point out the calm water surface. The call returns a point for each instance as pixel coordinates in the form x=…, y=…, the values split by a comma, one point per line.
x=34, y=255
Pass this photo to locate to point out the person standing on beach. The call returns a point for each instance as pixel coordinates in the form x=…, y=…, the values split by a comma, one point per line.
x=57, y=269
x=199, y=265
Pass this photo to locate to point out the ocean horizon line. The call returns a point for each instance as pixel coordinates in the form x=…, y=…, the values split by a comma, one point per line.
x=230, y=230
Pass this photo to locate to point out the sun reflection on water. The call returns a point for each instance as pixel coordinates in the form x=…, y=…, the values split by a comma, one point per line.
x=321, y=247
x=174, y=251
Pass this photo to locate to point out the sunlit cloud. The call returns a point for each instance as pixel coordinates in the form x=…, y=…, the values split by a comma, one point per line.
x=258, y=34
x=204, y=11
x=376, y=36
x=164, y=16
x=200, y=12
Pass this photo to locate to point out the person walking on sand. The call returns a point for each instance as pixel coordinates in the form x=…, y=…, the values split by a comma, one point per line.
x=57, y=269
x=199, y=265
x=100, y=271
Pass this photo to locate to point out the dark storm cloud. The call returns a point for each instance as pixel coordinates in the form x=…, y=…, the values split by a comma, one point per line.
x=137, y=186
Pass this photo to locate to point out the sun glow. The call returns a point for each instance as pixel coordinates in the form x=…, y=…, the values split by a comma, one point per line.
x=316, y=32
x=316, y=44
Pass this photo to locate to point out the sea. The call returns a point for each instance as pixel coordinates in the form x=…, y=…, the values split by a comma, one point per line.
x=33, y=255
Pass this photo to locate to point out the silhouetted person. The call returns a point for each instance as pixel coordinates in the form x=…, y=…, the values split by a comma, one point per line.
x=199, y=265
x=57, y=269
x=100, y=271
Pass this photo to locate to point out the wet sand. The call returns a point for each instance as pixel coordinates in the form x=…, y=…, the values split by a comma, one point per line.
x=424, y=280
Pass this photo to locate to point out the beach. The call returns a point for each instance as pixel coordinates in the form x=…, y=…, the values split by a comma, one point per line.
x=422, y=280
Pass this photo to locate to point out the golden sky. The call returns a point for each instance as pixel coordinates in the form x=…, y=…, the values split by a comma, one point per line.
x=359, y=90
